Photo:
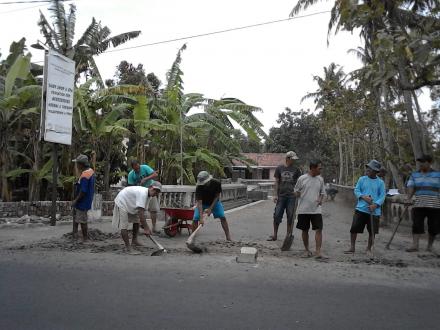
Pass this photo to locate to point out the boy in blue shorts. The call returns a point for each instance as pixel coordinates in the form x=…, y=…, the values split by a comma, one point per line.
x=208, y=192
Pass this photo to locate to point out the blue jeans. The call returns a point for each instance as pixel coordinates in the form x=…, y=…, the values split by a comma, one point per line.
x=284, y=203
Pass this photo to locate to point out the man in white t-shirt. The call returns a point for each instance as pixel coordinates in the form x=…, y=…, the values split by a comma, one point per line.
x=310, y=190
x=130, y=206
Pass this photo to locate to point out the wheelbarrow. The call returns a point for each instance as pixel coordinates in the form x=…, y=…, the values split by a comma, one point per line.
x=177, y=219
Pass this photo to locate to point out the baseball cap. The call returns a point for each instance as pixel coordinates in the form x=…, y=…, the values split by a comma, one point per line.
x=156, y=185
x=291, y=155
x=81, y=159
x=425, y=158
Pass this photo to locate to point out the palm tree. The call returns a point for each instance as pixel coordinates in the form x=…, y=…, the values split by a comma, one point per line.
x=197, y=130
x=402, y=39
x=95, y=40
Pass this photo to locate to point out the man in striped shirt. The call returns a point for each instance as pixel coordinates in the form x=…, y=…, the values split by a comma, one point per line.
x=425, y=185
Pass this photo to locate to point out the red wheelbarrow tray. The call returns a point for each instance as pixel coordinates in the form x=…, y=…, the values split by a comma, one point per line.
x=183, y=214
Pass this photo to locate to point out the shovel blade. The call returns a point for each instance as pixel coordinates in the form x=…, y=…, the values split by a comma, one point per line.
x=194, y=248
x=287, y=244
x=159, y=252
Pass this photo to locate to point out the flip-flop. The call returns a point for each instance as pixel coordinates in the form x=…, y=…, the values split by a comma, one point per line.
x=307, y=255
x=348, y=252
x=271, y=239
x=412, y=250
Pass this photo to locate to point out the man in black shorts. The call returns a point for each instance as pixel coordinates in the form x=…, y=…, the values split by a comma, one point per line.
x=370, y=194
x=310, y=191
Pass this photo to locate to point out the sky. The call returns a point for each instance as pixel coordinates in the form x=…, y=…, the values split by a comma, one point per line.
x=270, y=66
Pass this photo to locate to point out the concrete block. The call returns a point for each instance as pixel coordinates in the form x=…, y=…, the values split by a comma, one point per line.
x=247, y=255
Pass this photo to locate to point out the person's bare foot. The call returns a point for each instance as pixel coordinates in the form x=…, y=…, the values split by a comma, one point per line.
x=307, y=254
x=272, y=238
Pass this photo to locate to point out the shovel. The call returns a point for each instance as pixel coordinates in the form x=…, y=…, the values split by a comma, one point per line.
x=190, y=242
x=373, y=234
x=161, y=250
x=287, y=244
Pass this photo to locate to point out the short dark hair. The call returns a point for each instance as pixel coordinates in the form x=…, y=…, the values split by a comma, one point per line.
x=314, y=163
x=134, y=162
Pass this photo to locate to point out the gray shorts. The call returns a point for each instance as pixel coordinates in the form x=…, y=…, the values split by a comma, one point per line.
x=80, y=216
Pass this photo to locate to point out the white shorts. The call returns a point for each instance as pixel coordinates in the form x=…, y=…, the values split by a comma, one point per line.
x=153, y=204
x=122, y=219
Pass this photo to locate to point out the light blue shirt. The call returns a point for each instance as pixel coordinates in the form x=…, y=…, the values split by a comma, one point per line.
x=369, y=187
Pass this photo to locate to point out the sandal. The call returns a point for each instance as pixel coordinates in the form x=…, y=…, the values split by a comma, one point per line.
x=412, y=249
x=271, y=239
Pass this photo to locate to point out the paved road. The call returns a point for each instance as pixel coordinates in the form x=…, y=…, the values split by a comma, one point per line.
x=49, y=288
x=200, y=293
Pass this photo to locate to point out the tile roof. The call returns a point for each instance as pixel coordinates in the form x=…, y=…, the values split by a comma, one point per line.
x=263, y=159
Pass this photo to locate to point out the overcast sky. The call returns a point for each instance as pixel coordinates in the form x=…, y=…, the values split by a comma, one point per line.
x=270, y=66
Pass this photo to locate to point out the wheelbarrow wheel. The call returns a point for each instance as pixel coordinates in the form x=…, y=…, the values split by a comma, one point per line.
x=172, y=231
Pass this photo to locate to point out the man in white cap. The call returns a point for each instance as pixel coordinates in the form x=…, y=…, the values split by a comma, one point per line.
x=129, y=210
x=286, y=177
x=84, y=191
x=208, y=192
x=370, y=194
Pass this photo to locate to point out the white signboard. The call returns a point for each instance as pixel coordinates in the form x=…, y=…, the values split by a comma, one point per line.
x=59, y=80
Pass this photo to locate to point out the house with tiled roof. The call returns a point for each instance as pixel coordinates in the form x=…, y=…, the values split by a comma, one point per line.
x=262, y=168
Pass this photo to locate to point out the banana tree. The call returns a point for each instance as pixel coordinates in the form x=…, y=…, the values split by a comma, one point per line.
x=14, y=109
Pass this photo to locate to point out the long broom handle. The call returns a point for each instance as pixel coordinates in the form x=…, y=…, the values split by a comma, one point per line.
x=397, y=226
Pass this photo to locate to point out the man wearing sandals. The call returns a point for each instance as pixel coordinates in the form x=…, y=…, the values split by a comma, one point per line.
x=144, y=175
x=129, y=210
x=286, y=177
x=309, y=190
x=370, y=194
x=425, y=185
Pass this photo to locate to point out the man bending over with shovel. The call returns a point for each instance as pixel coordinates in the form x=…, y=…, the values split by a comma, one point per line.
x=130, y=207
x=208, y=192
x=370, y=194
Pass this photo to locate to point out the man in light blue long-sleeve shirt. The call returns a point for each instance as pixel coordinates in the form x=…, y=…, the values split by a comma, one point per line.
x=370, y=194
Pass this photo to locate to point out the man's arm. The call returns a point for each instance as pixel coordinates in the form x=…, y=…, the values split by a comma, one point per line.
x=298, y=188
x=143, y=221
x=358, y=192
x=209, y=209
x=82, y=190
x=200, y=208
x=152, y=176
x=321, y=193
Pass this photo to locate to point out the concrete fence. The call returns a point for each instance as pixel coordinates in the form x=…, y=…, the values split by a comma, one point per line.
x=172, y=196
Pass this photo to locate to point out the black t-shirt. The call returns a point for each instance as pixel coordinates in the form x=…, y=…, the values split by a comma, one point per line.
x=287, y=177
x=208, y=191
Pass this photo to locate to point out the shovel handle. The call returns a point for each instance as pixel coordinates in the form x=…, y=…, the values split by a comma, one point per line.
x=155, y=242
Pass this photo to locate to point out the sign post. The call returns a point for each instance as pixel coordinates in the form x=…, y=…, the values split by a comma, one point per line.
x=57, y=110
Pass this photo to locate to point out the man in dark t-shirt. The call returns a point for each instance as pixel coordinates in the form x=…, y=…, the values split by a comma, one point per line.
x=208, y=192
x=285, y=180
